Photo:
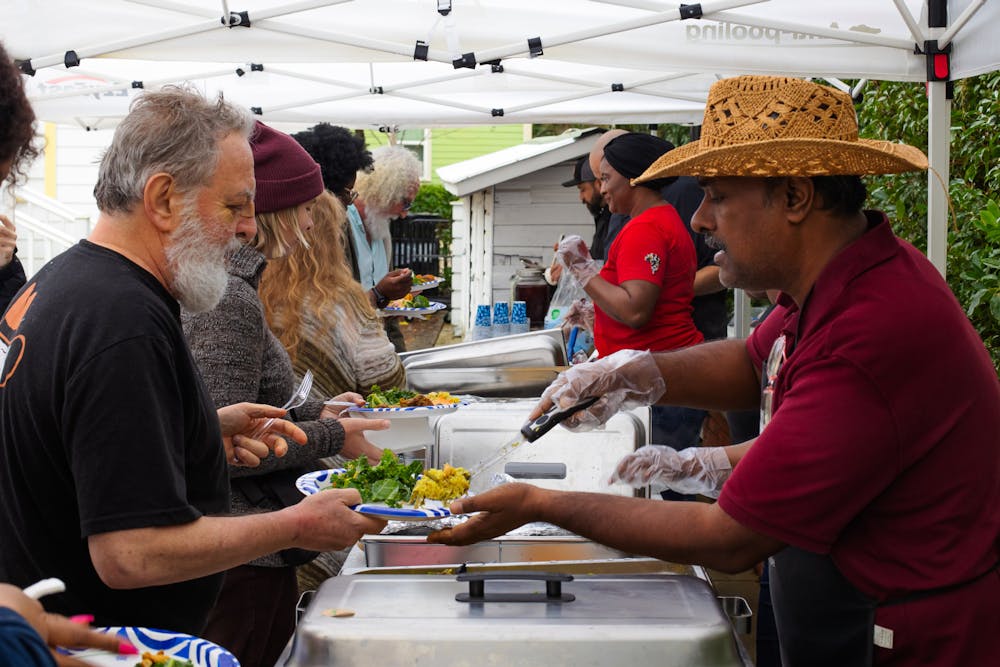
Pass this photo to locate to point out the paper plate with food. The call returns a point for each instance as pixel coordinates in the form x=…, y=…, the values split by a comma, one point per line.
x=397, y=403
x=412, y=305
x=159, y=648
x=424, y=281
x=393, y=490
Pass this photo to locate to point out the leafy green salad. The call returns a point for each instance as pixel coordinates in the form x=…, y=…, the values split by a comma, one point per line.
x=387, y=398
x=389, y=483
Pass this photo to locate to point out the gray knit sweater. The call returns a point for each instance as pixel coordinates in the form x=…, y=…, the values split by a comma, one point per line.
x=241, y=360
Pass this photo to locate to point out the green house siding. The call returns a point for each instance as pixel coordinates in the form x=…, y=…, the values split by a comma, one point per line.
x=451, y=145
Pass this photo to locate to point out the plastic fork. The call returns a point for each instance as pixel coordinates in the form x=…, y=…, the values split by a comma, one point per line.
x=297, y=399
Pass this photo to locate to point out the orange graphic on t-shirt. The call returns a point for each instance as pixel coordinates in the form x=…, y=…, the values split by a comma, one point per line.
x=12, y=318
x=13, y=344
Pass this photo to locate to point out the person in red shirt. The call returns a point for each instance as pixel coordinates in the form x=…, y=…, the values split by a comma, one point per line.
x=873, y=486
x=642, y=295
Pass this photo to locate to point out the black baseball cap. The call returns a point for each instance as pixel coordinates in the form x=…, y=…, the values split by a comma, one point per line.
x=582, y=173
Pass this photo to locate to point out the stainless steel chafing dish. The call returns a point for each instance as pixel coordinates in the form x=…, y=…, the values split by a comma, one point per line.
x=516, y=366
x=507, y=616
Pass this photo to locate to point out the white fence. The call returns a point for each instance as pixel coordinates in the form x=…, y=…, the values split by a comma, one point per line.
x=45, y=227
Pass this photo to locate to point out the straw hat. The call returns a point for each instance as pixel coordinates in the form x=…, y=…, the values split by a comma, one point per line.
x=777, y=126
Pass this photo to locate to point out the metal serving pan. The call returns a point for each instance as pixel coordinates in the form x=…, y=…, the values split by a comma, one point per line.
x=592, y=619
x=520, y=365
x=477, y=432
x=408, y=550
x=535, y=348
x=493, y=382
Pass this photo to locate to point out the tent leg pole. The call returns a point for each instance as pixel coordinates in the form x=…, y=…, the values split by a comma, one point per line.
x=741, y=314
x=938, y=155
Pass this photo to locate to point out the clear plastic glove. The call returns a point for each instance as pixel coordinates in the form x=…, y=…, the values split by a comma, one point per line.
x=693, y=470
x=580, y=314
x=626, y=379
x=574, y=255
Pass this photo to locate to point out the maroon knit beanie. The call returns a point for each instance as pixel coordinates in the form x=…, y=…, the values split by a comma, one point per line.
x=286, y=175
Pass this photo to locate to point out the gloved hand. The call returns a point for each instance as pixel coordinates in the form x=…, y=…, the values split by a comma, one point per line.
x=574, y=255
x=580, y=314
x=693, y=470
x=626, y=379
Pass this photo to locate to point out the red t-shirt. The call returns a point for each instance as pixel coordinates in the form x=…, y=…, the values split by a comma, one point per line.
x=884, y=448
x=653, y=246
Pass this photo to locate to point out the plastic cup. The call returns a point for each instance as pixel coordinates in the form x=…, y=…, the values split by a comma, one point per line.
x=501, y=319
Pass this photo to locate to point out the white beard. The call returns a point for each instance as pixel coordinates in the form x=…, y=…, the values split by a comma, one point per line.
x=198, y=264
x=377, y=225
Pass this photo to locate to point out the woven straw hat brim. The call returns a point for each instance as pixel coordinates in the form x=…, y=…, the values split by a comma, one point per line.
x=788, y=157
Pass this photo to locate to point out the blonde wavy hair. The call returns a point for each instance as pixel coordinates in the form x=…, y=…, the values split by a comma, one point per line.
x=313, y=278
x=273, y=228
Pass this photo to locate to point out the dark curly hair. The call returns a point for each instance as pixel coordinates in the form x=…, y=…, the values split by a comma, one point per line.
x=17, y=120
x=341, y=154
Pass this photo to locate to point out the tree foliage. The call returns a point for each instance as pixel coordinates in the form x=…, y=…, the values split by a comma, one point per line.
x=433, y=199
x=898, y=112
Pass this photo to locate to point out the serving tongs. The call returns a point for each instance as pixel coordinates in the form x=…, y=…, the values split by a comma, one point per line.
x=533, y=430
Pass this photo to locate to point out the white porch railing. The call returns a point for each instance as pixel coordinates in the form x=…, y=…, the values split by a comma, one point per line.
x=38, y=242
x=45, y=227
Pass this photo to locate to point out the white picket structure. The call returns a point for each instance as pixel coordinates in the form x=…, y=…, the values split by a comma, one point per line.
x=45, y=227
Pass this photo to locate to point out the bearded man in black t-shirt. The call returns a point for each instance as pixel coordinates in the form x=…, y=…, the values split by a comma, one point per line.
x=113, y=460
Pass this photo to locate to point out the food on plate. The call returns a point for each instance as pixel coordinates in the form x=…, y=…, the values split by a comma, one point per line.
x=393, y=483
x=445, y=484
x=411, y=300
x=405, y=398
x=389, y=483
x=161, y=659
x=420, y=279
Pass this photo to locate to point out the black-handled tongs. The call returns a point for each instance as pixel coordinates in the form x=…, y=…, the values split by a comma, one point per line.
x=535, y=429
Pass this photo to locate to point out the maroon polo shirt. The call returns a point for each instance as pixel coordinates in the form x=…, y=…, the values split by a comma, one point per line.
x=884, y=447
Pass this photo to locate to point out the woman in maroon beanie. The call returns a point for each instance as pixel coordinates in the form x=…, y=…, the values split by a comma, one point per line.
x=241, y=360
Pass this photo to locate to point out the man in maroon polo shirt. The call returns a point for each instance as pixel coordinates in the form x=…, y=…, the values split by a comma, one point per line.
x=873, y=487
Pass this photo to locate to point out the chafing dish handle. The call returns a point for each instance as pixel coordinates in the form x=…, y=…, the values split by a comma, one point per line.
x=534, y=430
x=477, y=587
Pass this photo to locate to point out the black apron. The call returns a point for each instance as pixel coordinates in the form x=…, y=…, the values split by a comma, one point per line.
x=822, y=618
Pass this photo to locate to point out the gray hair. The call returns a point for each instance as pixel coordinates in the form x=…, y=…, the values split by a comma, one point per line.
x=396, y=170
x=174, y=130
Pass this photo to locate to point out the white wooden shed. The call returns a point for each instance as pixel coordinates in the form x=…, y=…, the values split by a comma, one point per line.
x=511, y=204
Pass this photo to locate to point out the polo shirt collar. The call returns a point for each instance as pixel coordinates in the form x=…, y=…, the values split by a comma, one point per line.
x=875, y=246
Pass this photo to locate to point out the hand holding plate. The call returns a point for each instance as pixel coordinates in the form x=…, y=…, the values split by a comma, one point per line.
x=326, y=521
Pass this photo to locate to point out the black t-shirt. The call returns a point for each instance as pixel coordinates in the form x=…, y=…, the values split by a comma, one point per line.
x=711, y=313
x=105, y=425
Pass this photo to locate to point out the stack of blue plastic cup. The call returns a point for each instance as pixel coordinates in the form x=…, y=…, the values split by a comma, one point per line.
x=519, y=318
x=481, y=326
x=501, y=319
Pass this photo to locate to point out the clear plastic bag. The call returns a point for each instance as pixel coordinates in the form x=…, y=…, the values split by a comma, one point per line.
x=567, y=291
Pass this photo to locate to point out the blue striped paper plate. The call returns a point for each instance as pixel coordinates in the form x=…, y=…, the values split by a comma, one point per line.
x=430, y=284
x=201, y=652
x=403, y=413
x=313, y=482
x=414, y=312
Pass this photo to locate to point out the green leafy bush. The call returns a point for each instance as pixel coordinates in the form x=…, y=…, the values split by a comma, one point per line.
x=433, y=199
x=898, y=112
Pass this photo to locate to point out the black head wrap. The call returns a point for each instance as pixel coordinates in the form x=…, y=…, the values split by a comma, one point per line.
x=631, y=154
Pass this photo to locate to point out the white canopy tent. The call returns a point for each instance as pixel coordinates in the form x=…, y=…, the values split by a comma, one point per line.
x=425, y=63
